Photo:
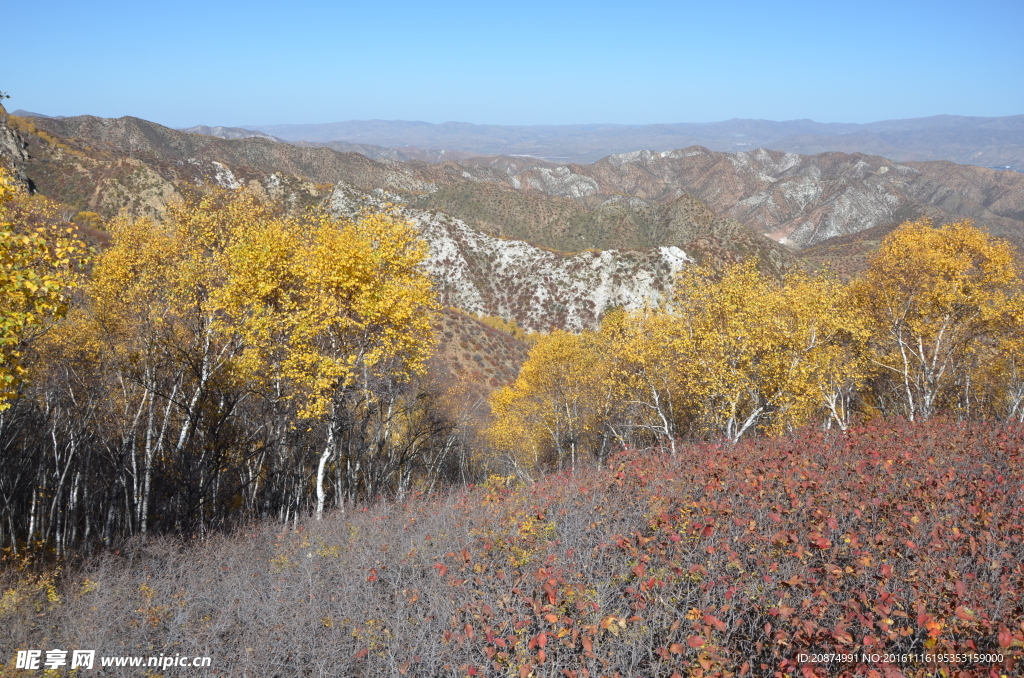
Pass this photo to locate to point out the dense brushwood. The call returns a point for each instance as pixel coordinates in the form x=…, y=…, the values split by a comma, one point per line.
x=891, y=538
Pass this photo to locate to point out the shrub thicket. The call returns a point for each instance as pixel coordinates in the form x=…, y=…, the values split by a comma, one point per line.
x=894, y=538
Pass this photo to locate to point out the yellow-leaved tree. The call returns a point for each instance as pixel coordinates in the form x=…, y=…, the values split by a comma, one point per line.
x=735, y=351
x=41, y=261
x=762, y=352
x=938, y=301
x=335, y=314
x=648, y=356
x=229, y=298
x=553, y=410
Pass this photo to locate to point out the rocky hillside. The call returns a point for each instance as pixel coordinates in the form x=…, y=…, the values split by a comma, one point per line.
x=229, y=132
x=475, y=354
x=622, y=201
x=503, y=230
x=126, y=164
x=130, y=165
x=540, y=289
x=795, y=199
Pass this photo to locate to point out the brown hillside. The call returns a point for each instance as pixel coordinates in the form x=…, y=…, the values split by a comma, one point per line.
x=474, y=353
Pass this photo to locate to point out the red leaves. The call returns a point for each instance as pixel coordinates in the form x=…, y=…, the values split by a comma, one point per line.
x=716, y=623
x=842, y=637
x=965, y=613
x=831, y=576
x=961, y=589
x=538, y=641
x=551, y=591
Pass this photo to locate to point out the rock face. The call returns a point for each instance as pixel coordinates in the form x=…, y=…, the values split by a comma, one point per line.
x=539, y=289
x=12, y=149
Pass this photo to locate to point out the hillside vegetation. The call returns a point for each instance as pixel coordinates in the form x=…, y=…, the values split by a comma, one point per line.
x=237, y=361
x=895, y=545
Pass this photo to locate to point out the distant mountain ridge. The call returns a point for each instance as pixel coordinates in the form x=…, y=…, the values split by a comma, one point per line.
x=989, y=142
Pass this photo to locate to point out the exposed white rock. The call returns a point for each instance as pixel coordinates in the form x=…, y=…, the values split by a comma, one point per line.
x=538, y=288
x=225, y=177
x=562, y=182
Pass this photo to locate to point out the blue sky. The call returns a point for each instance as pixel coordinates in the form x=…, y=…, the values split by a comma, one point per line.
x=523, y=62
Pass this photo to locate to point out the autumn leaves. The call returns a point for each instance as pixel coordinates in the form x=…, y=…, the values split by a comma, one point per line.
x=40, y=258
x=933, y=324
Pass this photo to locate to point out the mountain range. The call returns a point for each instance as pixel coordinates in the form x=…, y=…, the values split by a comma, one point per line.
x=539, y=243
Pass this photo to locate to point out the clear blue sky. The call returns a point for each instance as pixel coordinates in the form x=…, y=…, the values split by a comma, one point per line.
x=522, y=62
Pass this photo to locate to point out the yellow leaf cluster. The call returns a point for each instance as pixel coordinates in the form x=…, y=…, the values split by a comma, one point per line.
x=295, y=307
x=941, y=304
x=41, y=260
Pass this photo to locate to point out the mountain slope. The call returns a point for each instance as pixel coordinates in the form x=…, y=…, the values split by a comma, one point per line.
x=714, y=206
x=804, y=200
x=229, y=132
x=540, y=289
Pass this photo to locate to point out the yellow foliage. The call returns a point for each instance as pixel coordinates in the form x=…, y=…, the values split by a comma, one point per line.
x=768, y=352
x=324, y=305
x=302, y=306
x=552, y=407
x=41, y=259
x=937, y=300
x=735, y=351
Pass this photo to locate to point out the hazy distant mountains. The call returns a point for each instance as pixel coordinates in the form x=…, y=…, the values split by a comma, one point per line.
x=990, y=142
